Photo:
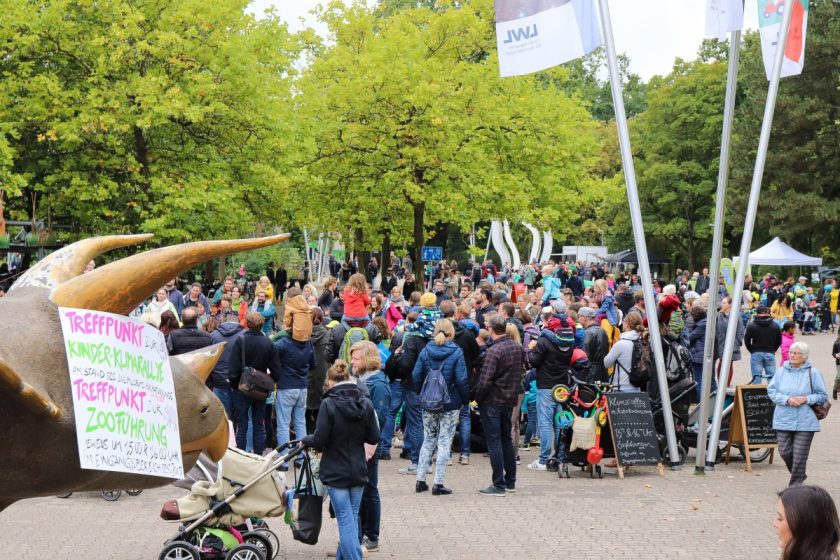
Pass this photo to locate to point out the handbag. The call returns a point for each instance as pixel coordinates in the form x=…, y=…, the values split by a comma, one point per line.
x=307, y=525
x=254, y=383
x=820, y=410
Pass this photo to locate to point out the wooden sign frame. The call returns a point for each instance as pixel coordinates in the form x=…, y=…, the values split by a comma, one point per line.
x=660, y=468
x=738, y=430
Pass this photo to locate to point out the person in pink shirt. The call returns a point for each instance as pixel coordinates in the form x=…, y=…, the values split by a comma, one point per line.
x=788, y=338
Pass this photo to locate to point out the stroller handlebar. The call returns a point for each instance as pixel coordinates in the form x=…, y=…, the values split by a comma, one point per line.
x=599, y=384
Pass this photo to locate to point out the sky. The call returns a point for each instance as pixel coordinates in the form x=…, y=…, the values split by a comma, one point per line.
x=651, y=32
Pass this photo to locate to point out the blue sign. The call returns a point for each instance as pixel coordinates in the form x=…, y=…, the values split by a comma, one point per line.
x=432, y=253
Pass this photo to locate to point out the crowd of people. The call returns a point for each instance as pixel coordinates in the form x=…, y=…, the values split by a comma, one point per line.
x=389, y=360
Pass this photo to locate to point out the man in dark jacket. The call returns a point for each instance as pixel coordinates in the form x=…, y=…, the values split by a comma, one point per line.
x=508, y=311
x=595, y=343
x=762, y=338
x=575, y=284
x=296, y=359
x=317, y=375
x=465, y=339
x=282, y=278
x=552, y=358
x=227, y=332
x=188, y=337
x=703, y=282
x=337, y=306
x=483, y=297
x=623, y=298
x=389, y=282
x=496, y=392
x=252, y=349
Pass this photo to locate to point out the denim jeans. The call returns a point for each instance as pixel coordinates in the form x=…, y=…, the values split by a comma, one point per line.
x=397, y=399
x=762, y=362
x=290, y=406
x=371, y=508
x=497, y=430
x=547, y=409
x=247, y=409
x=224, y=396
x=346, y=503
x=413, y=425
x=697, y=371
x=438, y=430
x=465, y=429
x=531, y=426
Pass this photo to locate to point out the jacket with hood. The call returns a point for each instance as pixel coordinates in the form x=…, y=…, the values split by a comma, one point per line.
x=720, y=335
x=318, y=374
x=793, y=382
x=596, y=345
x=787, y=341
x=268, y=311
x=450, y=358
x=346, y=421
x=297, y=318
x=465, y=339
x=697, y=341
x=337, y=337
x=227, y=332
x=260, y=354
x=337, y=309
x=551, y=362
x=379, y=392
x=763, y=335
x=296, y=359
x=621, y=357
x=624, y=301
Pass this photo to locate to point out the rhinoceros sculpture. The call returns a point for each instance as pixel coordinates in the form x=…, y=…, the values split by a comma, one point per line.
x=38, y=449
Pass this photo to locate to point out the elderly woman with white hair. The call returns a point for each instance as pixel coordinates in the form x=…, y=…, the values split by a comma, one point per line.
x=795, y=388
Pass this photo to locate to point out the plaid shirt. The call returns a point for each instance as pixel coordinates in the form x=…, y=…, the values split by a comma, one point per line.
x=500, y=380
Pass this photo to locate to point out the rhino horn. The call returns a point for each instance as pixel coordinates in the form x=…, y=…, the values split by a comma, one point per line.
x=121, y=286
x=27, y=395
x=69, y=262
x=202, y=361
x=215, y=443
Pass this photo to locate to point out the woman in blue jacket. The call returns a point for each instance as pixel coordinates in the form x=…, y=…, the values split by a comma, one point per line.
x=442, y=354
x=794, y=388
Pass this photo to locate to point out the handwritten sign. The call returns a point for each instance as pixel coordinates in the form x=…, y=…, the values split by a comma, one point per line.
x=752, y=421
x=631, y=423
x=123, y=394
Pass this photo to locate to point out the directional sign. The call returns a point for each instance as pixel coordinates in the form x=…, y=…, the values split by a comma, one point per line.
x=432, y=253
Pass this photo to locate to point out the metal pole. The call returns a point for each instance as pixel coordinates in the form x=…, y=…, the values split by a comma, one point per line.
x=638, y=231
x=749, y=223
x=717, y=242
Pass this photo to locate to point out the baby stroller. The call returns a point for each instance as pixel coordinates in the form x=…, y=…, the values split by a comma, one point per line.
x=680, y=393
x=222, y=515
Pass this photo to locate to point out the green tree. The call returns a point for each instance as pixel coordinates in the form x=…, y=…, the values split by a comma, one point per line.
x=154, y=116
x=422, y=129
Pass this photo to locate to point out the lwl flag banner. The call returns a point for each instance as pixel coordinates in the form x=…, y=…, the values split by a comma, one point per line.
x=532, y=35
x=723, y=17
x=770, y=21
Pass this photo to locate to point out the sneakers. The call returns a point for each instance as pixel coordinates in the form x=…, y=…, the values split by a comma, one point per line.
x=511, y=489
x=525, y=446
x=492, y=491
x=405, y=454
x=518, y=460
x=372, y=546
x=464, y=460
x=410, y=469
x=537, y=466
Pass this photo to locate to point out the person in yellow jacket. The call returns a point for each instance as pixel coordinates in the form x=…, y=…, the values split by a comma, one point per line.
x=782, y=310
x=266, y=285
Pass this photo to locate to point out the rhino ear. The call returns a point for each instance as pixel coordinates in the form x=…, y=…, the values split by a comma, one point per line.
x=14, y=387
x=202, y=361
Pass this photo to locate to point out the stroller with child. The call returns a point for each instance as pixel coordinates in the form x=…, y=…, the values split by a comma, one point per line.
x=222, y=516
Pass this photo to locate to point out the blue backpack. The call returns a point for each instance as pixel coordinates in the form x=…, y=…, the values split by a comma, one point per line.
x=435, y=394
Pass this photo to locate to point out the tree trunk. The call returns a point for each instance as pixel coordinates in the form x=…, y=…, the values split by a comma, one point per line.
x=419, y=239
x=358, y=248
x=385, y=261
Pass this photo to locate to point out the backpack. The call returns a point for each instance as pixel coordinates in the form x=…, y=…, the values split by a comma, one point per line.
x=678, y=364
x=351, y=337
x=641, y=363
x=435, y=394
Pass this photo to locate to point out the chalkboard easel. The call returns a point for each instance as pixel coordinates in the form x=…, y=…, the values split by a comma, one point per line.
x=632, y=431
x=751, y=423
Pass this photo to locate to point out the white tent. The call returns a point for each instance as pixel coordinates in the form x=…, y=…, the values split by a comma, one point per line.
x=779, y=253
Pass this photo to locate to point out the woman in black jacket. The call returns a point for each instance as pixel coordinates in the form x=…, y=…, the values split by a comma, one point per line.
x=346, y=421
x=259, y=354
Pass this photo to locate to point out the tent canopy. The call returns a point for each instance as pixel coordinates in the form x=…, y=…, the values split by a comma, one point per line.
x=779, y=253
x=629, y=256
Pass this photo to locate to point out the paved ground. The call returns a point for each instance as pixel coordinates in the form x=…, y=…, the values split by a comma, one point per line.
x=725, y=514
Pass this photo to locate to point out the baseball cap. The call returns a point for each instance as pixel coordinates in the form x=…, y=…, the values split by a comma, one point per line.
x=586, y=312
x=559, y=305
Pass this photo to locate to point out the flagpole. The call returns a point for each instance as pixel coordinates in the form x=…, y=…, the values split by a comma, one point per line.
x=717, y=242
x=749, y=225
x=638, y=232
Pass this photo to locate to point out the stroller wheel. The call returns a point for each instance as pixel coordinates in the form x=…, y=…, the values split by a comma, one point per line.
x=600, y=471
x=245, y=552
x=260, y=541
x=564, y=471
x=134, y=492
x=552, y=465
x=273, y=539
x=111, y=495
x=64, y=495
x=179, y=550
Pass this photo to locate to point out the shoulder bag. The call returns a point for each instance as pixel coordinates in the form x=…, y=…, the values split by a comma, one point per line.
x=254, y=383
x=820, y=410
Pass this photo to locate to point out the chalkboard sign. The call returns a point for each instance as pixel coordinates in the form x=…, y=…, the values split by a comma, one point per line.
x=751, y=422
x=633, y=433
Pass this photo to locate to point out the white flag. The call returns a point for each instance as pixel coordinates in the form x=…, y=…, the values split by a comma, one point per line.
x=723, y=17
x=770, y=21
x=532, y=35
